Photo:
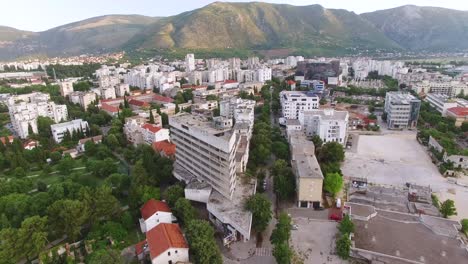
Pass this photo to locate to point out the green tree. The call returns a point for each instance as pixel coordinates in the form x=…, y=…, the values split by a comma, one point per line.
x=282, y=231
x=32, y=236
x=200, y=236
x=343, y=246
x=464, y=223
x=173, y=193
x=260, y=207
x=331, y=152
x=317, y=141
x=284, y=182
x=333, y=183
x=346, y=226
x=184, y=211
x=447, y=208
x=101, y=203
x=464, y=127
x=105, y=256
x=68, y=216
x=66, y=165
x=282, y=253
x=151, y=117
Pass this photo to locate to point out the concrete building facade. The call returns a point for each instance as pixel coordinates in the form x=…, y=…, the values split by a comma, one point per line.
x=402, y=110
x=328, y=124
x=293, y=102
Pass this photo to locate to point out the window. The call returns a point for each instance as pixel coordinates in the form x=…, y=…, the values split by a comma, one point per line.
x=176, y=251
x=170, y=262
x=168, y=253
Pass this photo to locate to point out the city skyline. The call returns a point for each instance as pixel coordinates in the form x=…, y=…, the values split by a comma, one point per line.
x=44, y=15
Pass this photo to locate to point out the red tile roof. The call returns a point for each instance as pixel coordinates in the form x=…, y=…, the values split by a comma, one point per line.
x=138, y=103
x=152, y=206
x=165, y=146
x=291, y=82
x=151, y=127
x=163, y=237
x=161, y=98
x=10, y=139
x=140, y=247
x=109, y=108
x=459, y=111
x=230, y=81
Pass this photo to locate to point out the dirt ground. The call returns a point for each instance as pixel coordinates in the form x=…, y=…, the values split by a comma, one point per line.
x=314, y=241
x=395, y=158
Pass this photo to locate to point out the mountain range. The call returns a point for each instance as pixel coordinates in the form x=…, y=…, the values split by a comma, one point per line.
x=253, y=26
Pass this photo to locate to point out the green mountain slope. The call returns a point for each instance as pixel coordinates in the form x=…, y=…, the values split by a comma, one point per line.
x=261, y=25
x=98, y=34
x=423, y=28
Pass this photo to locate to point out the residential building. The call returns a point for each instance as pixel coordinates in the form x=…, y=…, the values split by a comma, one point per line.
x=165, y=148
x=153, y=213
x=309, y=177
x=138, y=131
x=402, y=110
x=189, y=62
x=122, y=89
x=292, y=102
x=25, y=109
x=82, y=142
x=209, y=154
x=84, y=99
x=166, y=244
x=59, y=130
x=459, y=113
x=238, y=109
x=328, y=124
x=66, y=88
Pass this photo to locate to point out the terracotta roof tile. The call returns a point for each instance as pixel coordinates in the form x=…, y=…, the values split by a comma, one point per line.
x=151, y=127
x=152, y=206
x=459, y=111
x=163, y=237
x=165, y=146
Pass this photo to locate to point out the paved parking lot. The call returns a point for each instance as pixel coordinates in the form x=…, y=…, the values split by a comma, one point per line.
x=396, y=158
x=314, y=241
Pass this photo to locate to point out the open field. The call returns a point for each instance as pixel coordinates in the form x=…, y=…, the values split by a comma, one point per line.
x=396, y=158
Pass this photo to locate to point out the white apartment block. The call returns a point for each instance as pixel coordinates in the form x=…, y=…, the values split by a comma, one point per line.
x=441, y=102
x=328, y=124
x=107, y=93
x=84, y=99
x=24, y=110
x=139, y=132
x=293, y=102
x=209, y=154
x=122, y=89
x=189, y=62
x=207, y=150
x=238, y=109
x=449, y=88
x=402, y=110
x=66, y=88
x=362, y=67
x=59, y=130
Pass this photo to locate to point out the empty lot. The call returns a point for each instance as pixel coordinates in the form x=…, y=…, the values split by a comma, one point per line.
x=397, y=158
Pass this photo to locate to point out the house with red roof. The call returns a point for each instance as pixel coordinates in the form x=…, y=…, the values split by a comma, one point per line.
x=153, y=133
x=153, y=213
x=459, y=113
x=165, y=244
x=8, y=139
x=30, y=144
x=165, y=148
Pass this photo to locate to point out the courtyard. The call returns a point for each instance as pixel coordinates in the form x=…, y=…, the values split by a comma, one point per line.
x=395, y=158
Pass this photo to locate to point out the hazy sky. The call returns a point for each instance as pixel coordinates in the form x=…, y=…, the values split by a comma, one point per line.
x=38, y=15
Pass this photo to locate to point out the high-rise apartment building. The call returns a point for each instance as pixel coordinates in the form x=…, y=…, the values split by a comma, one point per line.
x=189, y=62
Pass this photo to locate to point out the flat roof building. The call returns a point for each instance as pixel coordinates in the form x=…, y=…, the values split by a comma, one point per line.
x=402, y=110
x=293, y=102
x=328, y=124
x=309, y=177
